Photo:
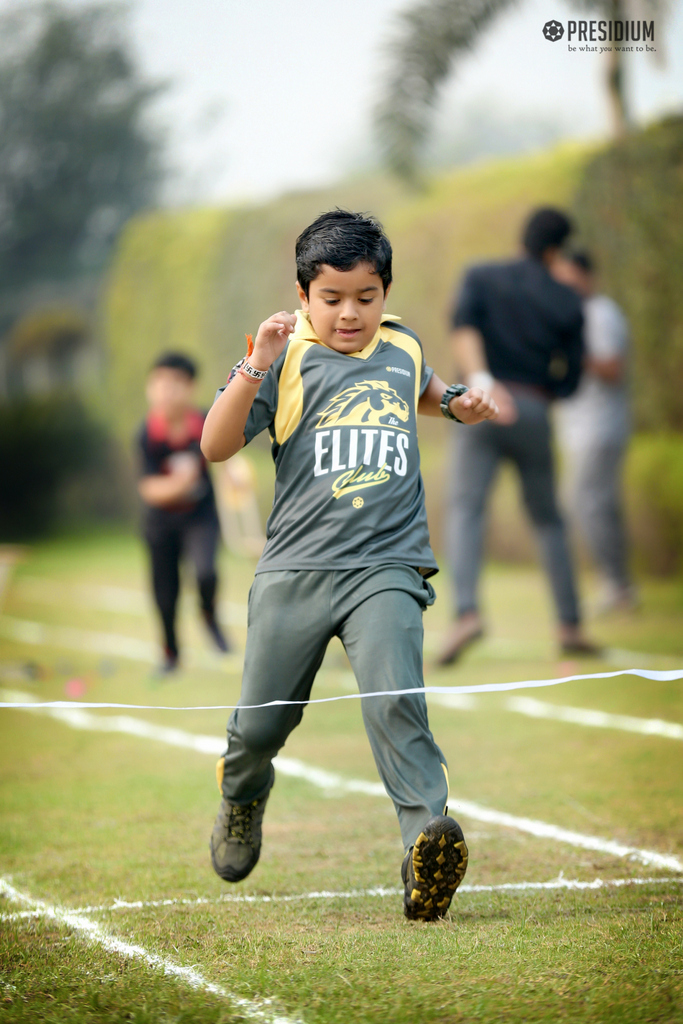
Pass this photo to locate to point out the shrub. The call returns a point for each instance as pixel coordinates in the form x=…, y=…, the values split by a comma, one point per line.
x=45, y=443
x=630, y=208
x=654, y=487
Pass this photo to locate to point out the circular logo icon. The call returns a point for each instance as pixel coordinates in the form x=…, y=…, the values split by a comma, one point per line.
x=553, y=30
x=357, y=502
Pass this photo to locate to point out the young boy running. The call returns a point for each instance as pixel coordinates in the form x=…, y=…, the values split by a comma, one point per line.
x=180, y=511
x=339, y=386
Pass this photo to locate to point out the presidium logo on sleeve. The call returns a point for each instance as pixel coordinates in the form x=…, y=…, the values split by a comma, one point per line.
x=356, y=443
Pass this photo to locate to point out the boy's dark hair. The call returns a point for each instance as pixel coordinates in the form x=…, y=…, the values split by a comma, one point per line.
x=583, y=259
x=342, y=239
x=176, y=361
x=546, y=228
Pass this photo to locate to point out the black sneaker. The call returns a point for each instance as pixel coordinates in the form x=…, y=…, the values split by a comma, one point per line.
x=236, y=838
x=168, y=665
x=433, y=869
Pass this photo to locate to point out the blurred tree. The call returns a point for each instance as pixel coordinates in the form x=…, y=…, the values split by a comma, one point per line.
x=46, y=442
x=430, y=35
x=76, y=154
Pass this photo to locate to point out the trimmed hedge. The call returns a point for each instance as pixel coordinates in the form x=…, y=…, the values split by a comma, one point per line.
x=630, y=208
x=654, y=488
x=162, y=294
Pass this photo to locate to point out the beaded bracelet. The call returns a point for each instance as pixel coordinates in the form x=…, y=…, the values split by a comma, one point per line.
x=250, y=372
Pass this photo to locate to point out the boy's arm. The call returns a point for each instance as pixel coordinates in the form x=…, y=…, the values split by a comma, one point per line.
x=223, y=433
x=472, y=407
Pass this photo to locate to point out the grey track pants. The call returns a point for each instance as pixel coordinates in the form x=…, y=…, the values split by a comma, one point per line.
x=377, y=614
x=596, y=504
x=478, y=452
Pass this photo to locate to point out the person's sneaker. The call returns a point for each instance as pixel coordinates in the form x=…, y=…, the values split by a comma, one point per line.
x=462, y=633
x=580, y=648
x=575, y=643
x=616, y=598
x=168, y=665
x=236, y=838
x=216, y=633
x=433, y=869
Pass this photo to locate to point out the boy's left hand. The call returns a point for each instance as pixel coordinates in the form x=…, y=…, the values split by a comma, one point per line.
x=474, y=406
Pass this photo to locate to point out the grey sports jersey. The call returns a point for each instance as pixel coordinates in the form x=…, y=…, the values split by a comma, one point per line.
x=348, y=488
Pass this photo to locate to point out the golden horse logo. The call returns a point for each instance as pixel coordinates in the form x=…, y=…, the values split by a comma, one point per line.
x=367, y=403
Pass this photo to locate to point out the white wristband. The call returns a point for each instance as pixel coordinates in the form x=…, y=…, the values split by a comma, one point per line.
x=481, y=379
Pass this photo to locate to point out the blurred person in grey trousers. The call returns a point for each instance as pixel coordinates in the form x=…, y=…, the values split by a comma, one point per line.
x=594, y=425
x=518, y=333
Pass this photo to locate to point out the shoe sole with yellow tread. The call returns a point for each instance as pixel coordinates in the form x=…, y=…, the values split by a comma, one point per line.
x=433, y=869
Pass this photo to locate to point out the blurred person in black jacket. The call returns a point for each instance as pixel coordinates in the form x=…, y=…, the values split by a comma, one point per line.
x=518, y=334
x=180, y=509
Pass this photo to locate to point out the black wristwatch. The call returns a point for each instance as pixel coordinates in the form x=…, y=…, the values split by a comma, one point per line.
x=452, y=391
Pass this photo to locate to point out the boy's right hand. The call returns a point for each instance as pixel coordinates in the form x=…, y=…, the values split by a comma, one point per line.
x=185, y=468
x=271, y=339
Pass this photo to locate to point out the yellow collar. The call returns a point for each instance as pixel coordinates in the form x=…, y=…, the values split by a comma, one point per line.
x=304, y=332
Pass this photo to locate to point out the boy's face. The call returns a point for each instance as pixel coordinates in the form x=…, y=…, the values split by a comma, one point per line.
x=345, y=306
x=169, y=391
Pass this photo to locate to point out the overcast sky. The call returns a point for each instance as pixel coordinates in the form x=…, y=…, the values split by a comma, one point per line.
x=276, y=94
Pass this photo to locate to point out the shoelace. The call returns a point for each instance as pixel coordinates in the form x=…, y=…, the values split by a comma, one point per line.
x=239, y=823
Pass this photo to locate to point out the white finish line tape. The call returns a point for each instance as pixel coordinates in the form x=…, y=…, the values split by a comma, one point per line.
x=96, y=935
x=378, y=891
x=330, y=782
x=667, y=675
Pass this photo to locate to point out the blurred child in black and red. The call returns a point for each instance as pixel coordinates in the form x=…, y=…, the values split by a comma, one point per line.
x=180, y=510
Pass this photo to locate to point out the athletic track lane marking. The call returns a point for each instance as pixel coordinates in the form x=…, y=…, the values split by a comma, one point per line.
x=379, y=891
x=563, y=713
x=332, y=783
x=96, y=935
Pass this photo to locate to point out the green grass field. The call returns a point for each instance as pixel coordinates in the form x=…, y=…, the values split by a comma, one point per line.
x=92, y=817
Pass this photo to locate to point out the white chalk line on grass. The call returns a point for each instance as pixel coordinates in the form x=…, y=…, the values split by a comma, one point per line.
x=379, y=892
x=113, y=645
x=132, y=601
x=135, y=649
x=596, y=719
x=125, y=600
x=95, y=934
x=332, y=783
x=462, y=701
x=116, y=645
x=667, y=675
x=562, y=713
